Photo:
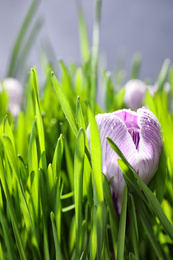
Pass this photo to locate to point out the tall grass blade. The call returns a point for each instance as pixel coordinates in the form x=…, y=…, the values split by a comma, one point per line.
x=21, y=36
x=78, y=187
x=93, y=233
x=84, y=44
x=56, y=241
x=122, y=227
x=95, y=52
x=142, y=211
x=163, y=74
x=113, y=218
x=96, y=156
x=79, y=115
x=7, y=236
x=65, y=104
x=101, y=227
x=133, y=227
x=18, y=239
x=136, y=66
x=149, y=195
x=40, y=128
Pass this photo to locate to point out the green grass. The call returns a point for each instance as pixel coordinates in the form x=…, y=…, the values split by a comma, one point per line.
x=55, y=203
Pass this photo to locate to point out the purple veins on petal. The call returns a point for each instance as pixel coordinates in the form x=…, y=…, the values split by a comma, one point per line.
x=138, y=136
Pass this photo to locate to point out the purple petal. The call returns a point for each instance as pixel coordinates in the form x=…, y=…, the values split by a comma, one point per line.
x=150, y=144
x=113, y=127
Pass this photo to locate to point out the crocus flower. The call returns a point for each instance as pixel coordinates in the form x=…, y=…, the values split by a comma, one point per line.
x=134, y=95
x=135, y=91
x=138, y=136
x=15, y=94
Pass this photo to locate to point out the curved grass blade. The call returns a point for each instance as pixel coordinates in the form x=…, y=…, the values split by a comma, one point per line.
x=8, y=132
x=65, y=104
x=78, y=187
x=149, y=195
x=122, y=227
x=67, y=85
x=163, y=74
x=21, y=36
x=20, y=61
x=142, y=212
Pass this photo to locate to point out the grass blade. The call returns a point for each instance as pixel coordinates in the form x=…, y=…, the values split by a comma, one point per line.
x=20, y=62
x=122, y=227
x=65, y=104
x=95, y=51
x=113, y=218
x=56, y=162
x=96, y=156
x=55, y=236
x=21, y=36
x=18, y=239
x=84, y=44
x=7, y=236
x=40, y=128
x=163, y=74
x=136, y=66
x=149, y=195
x=133, y=226
x=78, y=187
x=79, y=115
x=101, y=227
x=142, y=211
x=93, y=234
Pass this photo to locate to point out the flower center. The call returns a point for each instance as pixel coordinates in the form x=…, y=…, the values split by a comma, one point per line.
x=133, y=130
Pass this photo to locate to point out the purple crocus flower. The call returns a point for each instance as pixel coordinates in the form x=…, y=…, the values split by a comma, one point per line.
x=15, y=94
x=135, y=91
x=134, y=95
x=138, y=136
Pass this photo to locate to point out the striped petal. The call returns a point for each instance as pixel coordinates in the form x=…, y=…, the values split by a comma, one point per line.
x=150, y=144
x=114, y=127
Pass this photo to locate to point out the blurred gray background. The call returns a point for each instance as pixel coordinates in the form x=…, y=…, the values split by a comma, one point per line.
x=127, y=27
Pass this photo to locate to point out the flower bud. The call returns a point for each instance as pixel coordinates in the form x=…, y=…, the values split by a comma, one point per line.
x=138, y=136
x=15, y=94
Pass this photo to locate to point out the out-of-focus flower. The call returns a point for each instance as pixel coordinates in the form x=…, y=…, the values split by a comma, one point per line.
x=15, y=94
x=135, y=91
x=138, y=136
